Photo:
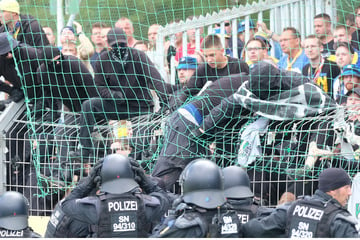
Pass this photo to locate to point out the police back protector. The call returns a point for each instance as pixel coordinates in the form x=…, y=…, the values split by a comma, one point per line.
x=25, y=233
x=60, y=225
x=244, y=212
x=122, y=216
x=310, y=218
x=214, y=223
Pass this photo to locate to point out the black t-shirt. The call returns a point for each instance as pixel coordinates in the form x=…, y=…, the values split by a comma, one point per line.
x=328, y=48
x=206, y=73
x=329, y=71
x=355, y=39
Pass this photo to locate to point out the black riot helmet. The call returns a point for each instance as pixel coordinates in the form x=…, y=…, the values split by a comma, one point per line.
x=117, y=177
x=202, y=184
x=236, y=183
x=14, y=210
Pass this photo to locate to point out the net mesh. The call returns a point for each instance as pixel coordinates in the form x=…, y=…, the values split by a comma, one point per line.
x=133, y=99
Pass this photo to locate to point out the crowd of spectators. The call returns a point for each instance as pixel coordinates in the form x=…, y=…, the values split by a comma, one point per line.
x=115, y=76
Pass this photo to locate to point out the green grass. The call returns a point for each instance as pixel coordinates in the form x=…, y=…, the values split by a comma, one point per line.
x=143, y=13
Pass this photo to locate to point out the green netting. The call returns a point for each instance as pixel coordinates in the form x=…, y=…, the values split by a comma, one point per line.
x=307, y=134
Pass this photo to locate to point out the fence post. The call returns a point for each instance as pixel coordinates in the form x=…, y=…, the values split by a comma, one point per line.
x=12, y=112
x=59, y=20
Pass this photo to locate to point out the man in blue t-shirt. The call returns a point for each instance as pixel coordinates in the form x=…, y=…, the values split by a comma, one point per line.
x=294, y=58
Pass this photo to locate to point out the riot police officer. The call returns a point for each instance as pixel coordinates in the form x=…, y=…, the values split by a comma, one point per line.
x=321, y=215
x=122, y=207
x=239, y=195
x=200, y=211
x=61, y=225
x=14, y=212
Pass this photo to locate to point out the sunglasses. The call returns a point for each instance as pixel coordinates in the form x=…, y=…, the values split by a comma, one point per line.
x=226, y=24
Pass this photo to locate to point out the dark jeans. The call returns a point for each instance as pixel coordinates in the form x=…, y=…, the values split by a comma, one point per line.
x=179, y=148
x=66, y=141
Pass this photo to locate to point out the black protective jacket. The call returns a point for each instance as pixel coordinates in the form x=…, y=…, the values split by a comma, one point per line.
x=275, y=225
x=24, y=233
x=81, y=207
x=191, y=221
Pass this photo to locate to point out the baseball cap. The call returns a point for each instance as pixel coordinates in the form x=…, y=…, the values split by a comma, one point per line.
x=262, y=36
x=187, y=63
x=7, y=43
x=10, y=6
x=217, y=32
x=116, y=35
x=333, y=178
x=241, y=25
x=68, y=27
x=350, y=69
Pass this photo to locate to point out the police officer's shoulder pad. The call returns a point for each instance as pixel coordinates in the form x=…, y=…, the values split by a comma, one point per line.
x=347, y=218
x=285, y=206
x=92, y=200
x=150, y=201
x=188, y=220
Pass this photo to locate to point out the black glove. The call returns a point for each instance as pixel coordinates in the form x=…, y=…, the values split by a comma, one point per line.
x=177, y=100
x=4, y=103
x=200, y=135
x=87, y=184
x=16, y=95
x=144, y=181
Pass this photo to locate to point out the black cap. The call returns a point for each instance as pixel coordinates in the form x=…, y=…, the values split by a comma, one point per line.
x=333, y=178
x=7, y=43
x=68, y=27
x=116, y=35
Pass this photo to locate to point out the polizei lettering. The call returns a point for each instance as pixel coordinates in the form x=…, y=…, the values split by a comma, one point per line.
x=10, y=233
x=308, y=212
x=122, y=206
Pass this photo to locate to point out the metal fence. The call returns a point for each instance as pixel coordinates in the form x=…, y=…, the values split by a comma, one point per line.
x=282, y=13
x=30, y=151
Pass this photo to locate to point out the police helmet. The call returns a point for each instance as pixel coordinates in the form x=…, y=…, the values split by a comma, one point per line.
x=202, y=184
x=117, y=177
x=14, y=210
x=236, y=183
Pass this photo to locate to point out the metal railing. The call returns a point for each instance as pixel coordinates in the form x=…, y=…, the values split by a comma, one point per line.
x=274, y=171
x=283, y=13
